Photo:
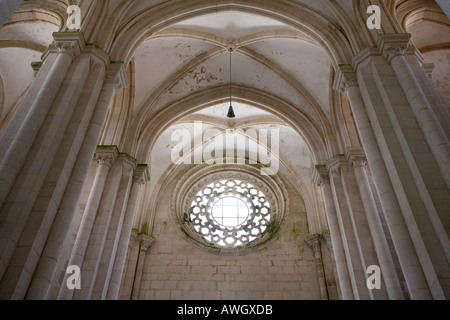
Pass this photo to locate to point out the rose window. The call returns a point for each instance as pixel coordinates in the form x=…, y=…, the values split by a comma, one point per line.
x=229, y=208
x=230, y=213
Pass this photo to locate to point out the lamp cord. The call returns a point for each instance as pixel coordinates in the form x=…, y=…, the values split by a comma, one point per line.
x=230, y=82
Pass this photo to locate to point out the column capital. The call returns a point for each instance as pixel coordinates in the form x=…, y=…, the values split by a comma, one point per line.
x=71, y=43
x=321, y=176
x=116, y=75
x=357, y=157
x=326, y=235
x=146, y=242
x=346, y=78
x=141, y=174
x=134, y=238
x=393, y=45
x=314, y=241
x=128, y=160
x=106, y=155
x=334, y=163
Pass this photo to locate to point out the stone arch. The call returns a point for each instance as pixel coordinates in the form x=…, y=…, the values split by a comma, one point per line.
x=320, y=144
x=316, y=223
x=147, y=22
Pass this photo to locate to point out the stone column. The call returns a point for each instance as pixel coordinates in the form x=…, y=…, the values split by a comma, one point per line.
x=314, y=242
x=417, y=285
x=321, y=177
x=145, y=243
x=140, y=178
x=129, y=271
x=45, y=271
x=16, y=148
x=331, y=275
x=394, y=48
x=114, y=230
x=17, y=141
x=105, y=159
x=349, y=239
x=376, y=230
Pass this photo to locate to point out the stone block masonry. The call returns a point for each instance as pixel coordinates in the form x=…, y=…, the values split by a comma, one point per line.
x=176, y=268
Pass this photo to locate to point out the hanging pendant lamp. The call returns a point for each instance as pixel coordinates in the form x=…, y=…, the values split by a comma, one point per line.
x=230, y=109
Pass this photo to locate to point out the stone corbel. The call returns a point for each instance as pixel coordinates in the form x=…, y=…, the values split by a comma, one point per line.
x=141, y=174
x=128, y=161
x=116, y=75
x=321, y=176
x=134, y=239
x=345, y=78
x=146, y=242
x=334, y=164
x=314, y=242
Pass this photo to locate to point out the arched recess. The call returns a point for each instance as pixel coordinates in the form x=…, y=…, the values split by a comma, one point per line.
x=285, y=170
x=317, y=110
x=317, y=141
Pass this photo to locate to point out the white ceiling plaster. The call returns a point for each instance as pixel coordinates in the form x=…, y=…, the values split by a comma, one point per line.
x=428, y=33
x=307, y=62
x=246, y=71
x=231, y=25
x=293, y=150
x=157, y=59
x=38, y=33
x=244, y=111
x=16, y=73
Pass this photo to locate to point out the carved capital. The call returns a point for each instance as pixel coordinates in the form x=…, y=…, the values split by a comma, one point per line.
x=115, y=75
x=134, y=238
x=428, y=68
x=71, y=43
x=393, y=45
x=321, y=176
x=345, y=78
x=327, y=237
x=106, y=155
x=357, y=157
x=141, y=174
x=146, y=242
x=393, y=51
x=314, y=242
x=94, y=65
x=358, y=162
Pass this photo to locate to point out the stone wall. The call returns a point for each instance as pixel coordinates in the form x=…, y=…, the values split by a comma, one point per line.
x=176, y=268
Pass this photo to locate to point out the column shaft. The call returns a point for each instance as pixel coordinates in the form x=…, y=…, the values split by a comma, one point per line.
x=146, y=242
x=45, y=272
x=114, y=231
x=376, y=230
x=336, y=240
x=352, y=253
x=433, y=132
x=87, y=222
x=120, y=260
x=414, y=277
